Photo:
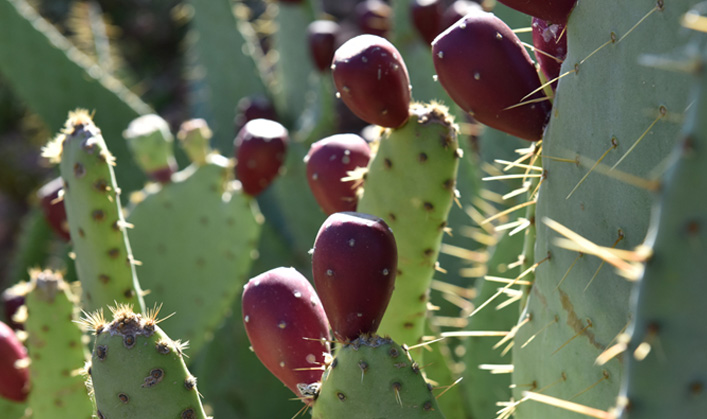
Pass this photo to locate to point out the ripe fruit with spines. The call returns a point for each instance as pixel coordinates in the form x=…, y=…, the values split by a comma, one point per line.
x=14, y=376
x=329, y=162
x=374, y=17
x=372, y=80
x=550, y=42
x=426, y=17
x=287, y=328
x=51, y=201
x=354, y=263
x=322, y=37
x=260, y=153
x=486, y=70
x=554, y=11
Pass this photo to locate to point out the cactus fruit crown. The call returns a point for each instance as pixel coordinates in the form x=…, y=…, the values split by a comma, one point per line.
x=78, y=120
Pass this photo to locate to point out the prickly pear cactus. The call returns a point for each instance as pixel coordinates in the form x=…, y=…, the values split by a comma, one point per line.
x=376, y=378
x=137, y=371
x=57, y=349
x=104, y=260
x=196, y=239
x=410, y=183
x=664, y=372
x=601, y=109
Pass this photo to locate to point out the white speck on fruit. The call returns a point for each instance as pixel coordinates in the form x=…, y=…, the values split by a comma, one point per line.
x=352, y=242
x=247, y=318
x=440, y=55
x=477, y=76
x=282, y=325
x=329, y=272
x=298, y=294
x=311, y=359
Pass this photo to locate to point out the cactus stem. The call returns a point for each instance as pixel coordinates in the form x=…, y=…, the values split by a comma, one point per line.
x=662, y=111
x=614, y=144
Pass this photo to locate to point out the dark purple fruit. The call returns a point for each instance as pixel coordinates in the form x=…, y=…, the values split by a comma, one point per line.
x=427, y=18
x=458, y=10
x=354, y=263
x=254, y=107
x=550, y=42
x=555, y=11
x=14, y=379
x=372, y=80
x=12, y=301
x=374, y=17
x=322, y=36
x=53, y=207
x=328, y=161
x=287, y=327
x=484, y=68
x=260, y=153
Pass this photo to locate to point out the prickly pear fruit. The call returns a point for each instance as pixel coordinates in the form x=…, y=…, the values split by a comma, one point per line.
x=322, y=42
x=484, y=68
x=329, y=161
x=260, y=152
x=354, y=263
x=255, y=107
x=374, y=17
x=287, y=328
x=194, y=136
x=14, y=377
x=550, y=42
x=53, y=207
x=372, y=80
x=457, y=10
x=150, y=141
x=427, y=18
x=555, y=11
x=12, y=301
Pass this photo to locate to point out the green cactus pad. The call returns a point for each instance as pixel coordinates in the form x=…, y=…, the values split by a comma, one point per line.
x=137, y=371
x=150, y=142
x=665, y=362
x=57, y=350
x=601, y=109
x=103, y=258
x=196, y=239
x=375, y=378
x=410, y=184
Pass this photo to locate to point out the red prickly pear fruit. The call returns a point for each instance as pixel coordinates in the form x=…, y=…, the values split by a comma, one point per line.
x=374, y=17
x=12, y=301
x=322, y=36
x=372, y=80
x=458, y=10
x=484, y=68
x=53, y=207
x=287, y=327
x=550, y=42
x=260, y=153
x=354, y=263
x=329, y=160
x=254, y=107
x=555, y=11
x=427, y=18
x=14, y=377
